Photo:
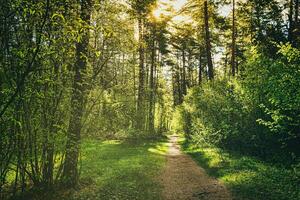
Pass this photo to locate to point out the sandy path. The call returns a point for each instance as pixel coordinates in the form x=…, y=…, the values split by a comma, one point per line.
x=182, y=178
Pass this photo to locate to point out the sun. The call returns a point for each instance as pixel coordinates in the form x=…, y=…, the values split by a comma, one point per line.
x=158, y=12
x=168, y=8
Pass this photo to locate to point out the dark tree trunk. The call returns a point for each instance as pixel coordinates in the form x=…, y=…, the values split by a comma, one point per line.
x=190, y=81
x=291, y=22
x=140, y=101
x=151, y=85
x=200, y=69
x=184, y=86
x=296, y=25
x=70, y=171
x=178, y=81
x=296, y=11
x=233, y=62
x=208, y=44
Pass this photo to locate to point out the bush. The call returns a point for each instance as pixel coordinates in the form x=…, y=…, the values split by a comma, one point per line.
x=219, y=115
x=274, y=86
x=258, y=115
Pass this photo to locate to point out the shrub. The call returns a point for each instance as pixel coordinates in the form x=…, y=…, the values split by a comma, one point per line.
x=258, y=114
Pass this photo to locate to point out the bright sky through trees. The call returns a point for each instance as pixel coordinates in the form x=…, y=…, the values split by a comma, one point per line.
x=173, y=8
x=165, y=6
x=176, y=5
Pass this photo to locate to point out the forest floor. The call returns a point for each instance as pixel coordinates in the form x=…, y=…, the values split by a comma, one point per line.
x=183, y=179
x=247, y=178
x=114, y=170
x=171, y=170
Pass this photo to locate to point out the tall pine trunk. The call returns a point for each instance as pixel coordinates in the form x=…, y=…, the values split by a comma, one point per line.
x=233, y=48
x=296, y=11
x=291, y=22
x=151, y=85
x=208, y=44
x=140, y=122
x=70, y=171
x=184, y=85
x=297, y=25
x=200, y=69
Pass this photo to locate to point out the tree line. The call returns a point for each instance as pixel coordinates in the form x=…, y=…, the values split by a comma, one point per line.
x=249, y=101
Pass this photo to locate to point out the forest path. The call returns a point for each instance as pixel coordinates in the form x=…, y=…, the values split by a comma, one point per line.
x=183, y=179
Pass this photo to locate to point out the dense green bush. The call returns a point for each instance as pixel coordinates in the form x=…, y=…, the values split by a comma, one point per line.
x=259, y=113
x=274, y=86
x=219, y=113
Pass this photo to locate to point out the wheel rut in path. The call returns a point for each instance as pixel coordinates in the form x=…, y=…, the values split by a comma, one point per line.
x=183, y=179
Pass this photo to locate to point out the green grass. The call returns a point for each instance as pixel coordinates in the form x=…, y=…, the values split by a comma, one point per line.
x=117, y=170
x=121, y=170
x=247, y=178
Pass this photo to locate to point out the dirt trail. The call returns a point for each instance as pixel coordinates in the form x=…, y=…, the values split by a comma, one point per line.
x=183, y=179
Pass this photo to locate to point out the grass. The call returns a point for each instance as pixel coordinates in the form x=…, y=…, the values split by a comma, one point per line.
x=247, y=178
x=117, y=170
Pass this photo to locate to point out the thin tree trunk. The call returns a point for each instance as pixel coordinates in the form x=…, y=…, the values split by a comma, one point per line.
x=296, y=11
x=208, y=44
x=190, y=81
x=70, y=171
x=233, y=62
x=291, y=22
x=184, y=86
x=178, y=80
x=140, y=101
x=225, y=65
x=151, y=85
x=296, y=30
x=134, y=79
x=200, y=69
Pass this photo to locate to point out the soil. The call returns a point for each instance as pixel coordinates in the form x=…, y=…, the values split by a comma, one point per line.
x=183, y=179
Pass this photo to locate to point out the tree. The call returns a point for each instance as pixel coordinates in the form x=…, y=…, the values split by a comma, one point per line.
x=208, y=43
x=141, y=9
x=70, y=172
x=141, y=88
x=152, y=79
x=233, y=61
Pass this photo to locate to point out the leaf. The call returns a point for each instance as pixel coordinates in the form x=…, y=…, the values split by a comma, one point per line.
x=60, y=16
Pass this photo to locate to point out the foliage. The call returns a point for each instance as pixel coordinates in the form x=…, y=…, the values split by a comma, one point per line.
x=274, y=86
x=114, y=169
x=257, y=115
x=109, y=69
x=246, y=177
x=44, y=91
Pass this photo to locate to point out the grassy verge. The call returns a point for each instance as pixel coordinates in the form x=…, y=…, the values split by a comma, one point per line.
x=116, y=170
x=246, y=177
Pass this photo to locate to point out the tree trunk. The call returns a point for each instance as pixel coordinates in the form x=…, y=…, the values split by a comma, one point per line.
x=70, y=171
x=208, y=44
x=151, y=84
x=200, y=69
x=190, y=81
x=291, y=22
x=140, y=101
x=296, y=31
x=178, y=80
x=233, y=62
x=296, y=11
x=184, y=86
